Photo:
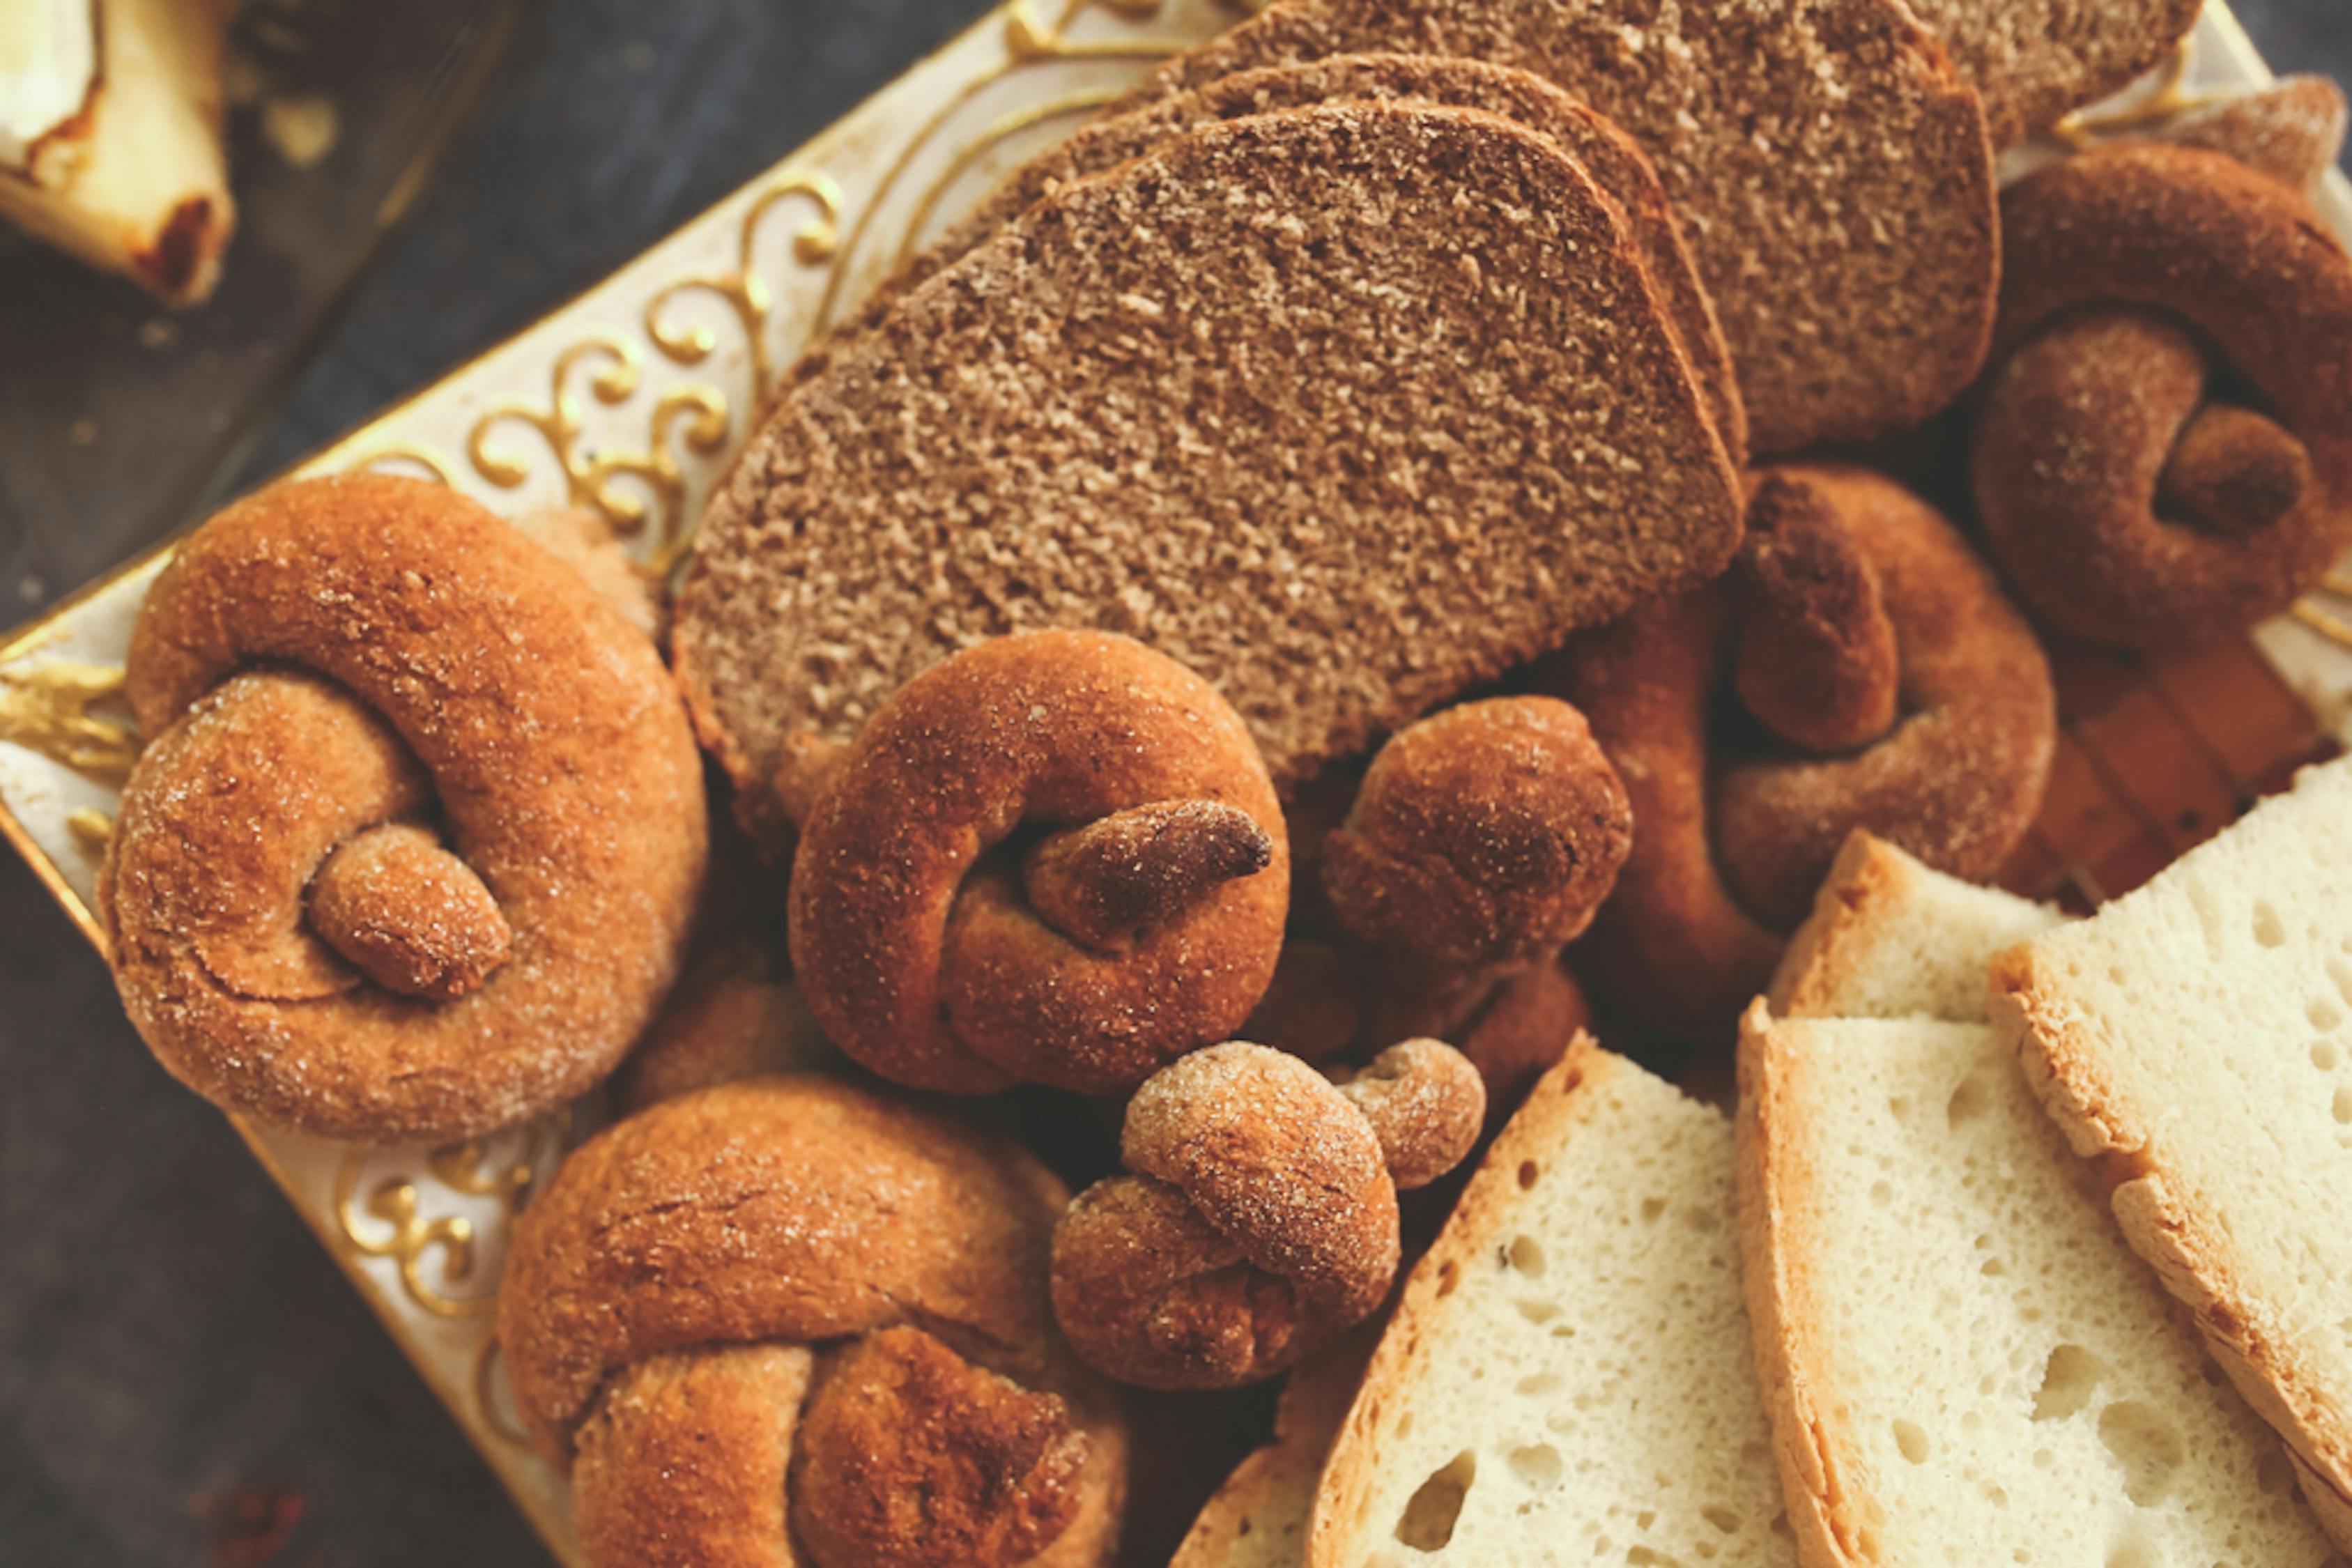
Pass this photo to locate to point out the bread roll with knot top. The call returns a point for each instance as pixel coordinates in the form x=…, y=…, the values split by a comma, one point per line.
x=2164, y=455
x=1261, y=1221
x=1055, y=858
x=1881, y=680
x=788, y=1319
x=414, y=844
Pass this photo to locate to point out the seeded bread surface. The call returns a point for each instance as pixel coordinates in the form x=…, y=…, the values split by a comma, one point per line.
x=1345, y=408
x=1831, y=171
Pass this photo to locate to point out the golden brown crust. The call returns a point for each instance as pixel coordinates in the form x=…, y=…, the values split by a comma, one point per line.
x=334, y=655
x=2193, y=1256
x=1833, y=1520
x=908, y=1455
x=1736, y=834
x=916, y=948
x=1261, y=1219
x=412, y=917
x=793, y=1211
x=2141, y=279
x=683, y=1463
x=735, y=1015
x=1426, y=1102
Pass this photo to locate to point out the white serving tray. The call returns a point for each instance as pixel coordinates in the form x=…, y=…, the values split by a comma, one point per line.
x=629, y=401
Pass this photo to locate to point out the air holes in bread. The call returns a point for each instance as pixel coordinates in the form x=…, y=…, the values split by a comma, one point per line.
x=2324, y=1014
x=1912, y=1440
x=2068, y=1380
x=2269, y=929
x=1528, y=1174
x=1527, y=1256
x=1539, y=1312
x=1726, y=1519
x=1427, y=1523
x=1653, y=1209
x=2341, y=973
x=1538, y=1465
x=2272, y=1474
x=2323, y=1055
x=1539, y=1385
x=2134, y=1550
x=1449, y=1275
x=1970, y=1100
x=2344, y=1104
x=2147, y=1446
x=1882, y=1193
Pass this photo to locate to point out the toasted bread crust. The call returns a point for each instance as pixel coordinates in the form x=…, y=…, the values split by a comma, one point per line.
x=1829, y=1495
x=2189, y=1253
x=1820, y=961
x=1429, y=1301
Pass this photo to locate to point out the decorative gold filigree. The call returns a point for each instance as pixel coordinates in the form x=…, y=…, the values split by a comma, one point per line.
x=744, y=290
x=495, y=1412
x=92, y=830
x=398, y=1202
x=435, y=464
x=50, y=708
x=692, y=414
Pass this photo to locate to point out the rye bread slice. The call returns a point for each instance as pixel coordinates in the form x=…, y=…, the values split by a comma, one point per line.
x=1608, y=154
x=1346, y=408
x=1831, y=171
x=2035, y=61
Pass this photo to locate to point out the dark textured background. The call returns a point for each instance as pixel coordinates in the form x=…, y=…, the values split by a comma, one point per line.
x=185, y=1376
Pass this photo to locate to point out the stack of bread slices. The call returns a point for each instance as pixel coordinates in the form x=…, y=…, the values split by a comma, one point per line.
x=1887, y=1315
x=1374, y=348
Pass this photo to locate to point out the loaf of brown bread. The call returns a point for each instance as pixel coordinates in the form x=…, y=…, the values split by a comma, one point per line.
x=1608, y=154
x=1830, y=170
x=1345, y=408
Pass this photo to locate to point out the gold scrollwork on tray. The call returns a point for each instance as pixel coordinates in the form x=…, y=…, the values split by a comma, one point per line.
x=2167, y=95
x=692, y=414
x=745, y=290
x=53, y=707
x=391, y=1221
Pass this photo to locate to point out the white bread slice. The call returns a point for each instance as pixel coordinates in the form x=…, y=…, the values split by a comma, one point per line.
x=1889, y=938
x=2196, y=1036
x=1566, y=1378
x=1962, y=1361
x=1258, y=1518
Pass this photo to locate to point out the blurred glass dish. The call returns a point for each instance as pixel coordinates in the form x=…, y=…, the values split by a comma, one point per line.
x=117, y=416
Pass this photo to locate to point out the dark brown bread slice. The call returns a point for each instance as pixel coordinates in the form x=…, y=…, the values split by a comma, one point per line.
x=1831, y=172
x=1346, y=408
x=1608, y=154
x=2037, y=61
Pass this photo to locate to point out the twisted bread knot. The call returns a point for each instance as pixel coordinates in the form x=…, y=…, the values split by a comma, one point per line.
x=1482, y=842
x=788, y=1315
x=413, y=850
x=1261, y=1222
x=2164, y=453
x=1883, y=682
x=1143, y=922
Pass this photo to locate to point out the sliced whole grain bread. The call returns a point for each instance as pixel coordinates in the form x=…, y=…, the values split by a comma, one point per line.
x=1963, y=1361
x=2037, y=61
x=1567, y=1376
x=2195, y=1037
x=1610, y=157
x=1346, y=408
x=1892, y=938
x=1830, y=172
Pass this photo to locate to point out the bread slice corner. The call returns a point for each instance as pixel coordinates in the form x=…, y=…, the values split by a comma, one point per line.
x=1955, y=1347
x=2195, y=1038
x=1566, y=1378
x=1890, y=937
